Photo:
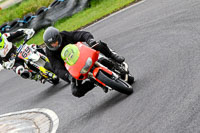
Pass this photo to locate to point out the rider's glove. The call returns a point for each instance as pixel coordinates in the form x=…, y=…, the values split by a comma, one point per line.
x=74, y=81
x=91, y=42
x=29, y=32
x=68, y=78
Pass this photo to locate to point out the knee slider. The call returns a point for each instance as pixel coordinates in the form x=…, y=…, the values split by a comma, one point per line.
x=77, y=93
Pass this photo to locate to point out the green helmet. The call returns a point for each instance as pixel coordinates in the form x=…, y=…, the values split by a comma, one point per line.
x=70, y=54
x=1, y=41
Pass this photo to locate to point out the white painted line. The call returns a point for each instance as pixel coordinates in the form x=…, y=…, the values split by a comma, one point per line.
x=39, y=120
x=111, y=15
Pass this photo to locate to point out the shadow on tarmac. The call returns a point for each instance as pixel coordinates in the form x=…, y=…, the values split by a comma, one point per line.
x=52, y=90
x=98, y=110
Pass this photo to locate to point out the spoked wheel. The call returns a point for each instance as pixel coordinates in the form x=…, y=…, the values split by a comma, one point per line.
x=116, y=84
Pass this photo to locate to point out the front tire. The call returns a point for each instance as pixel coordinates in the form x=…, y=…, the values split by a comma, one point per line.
x=116, y=84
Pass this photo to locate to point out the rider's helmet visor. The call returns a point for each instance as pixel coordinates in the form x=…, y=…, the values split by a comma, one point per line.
x=54, y=43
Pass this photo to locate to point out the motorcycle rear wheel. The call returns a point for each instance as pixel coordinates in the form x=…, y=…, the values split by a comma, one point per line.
x=117, y=84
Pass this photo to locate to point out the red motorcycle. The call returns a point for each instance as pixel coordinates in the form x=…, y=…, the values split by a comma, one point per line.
x=83, y=62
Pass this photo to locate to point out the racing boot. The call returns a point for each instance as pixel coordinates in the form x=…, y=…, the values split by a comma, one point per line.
x=103, y=48
x=127, y=76
x=79, y=89
x=131, y=79
x=116, y=57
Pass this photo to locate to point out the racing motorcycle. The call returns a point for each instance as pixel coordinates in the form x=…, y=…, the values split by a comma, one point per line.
x=83, y=62
x=36, y=62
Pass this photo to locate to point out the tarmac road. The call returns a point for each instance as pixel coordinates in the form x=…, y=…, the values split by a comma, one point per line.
x=160, y=40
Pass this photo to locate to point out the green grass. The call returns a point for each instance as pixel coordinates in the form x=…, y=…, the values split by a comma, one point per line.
x=21, y=9
x=97, y=10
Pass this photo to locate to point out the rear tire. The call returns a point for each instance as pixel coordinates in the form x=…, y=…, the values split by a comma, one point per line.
x=118, y=84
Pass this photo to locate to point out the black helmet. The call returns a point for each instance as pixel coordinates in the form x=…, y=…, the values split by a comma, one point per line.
x=50, y=36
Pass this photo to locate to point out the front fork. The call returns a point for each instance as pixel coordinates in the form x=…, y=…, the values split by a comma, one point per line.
x=103, y=86
x=92, y=75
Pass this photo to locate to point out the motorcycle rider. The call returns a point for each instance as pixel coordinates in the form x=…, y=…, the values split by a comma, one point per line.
x=56, y=41
x=7, y=50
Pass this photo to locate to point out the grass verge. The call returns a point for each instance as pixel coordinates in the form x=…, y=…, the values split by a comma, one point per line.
x=97, y=10
x=21, y=9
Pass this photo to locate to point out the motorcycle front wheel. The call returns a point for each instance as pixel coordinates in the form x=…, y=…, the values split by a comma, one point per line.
x=116, y=84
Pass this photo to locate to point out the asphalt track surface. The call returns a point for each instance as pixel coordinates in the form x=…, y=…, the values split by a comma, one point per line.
x=161, y=42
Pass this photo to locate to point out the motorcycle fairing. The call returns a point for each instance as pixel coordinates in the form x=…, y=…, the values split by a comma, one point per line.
x=25, y=52
x=85, y=53
x=96, y=70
